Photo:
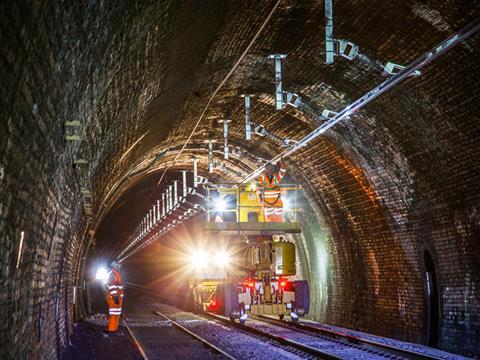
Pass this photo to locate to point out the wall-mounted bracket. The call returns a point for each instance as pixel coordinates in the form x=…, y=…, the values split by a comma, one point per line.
x=288, y=142
x=73, y=137
x=211, y=164
x=86, y=192
x=80, y=162
x=393, y=69
x=170, y=198
x=163, y=206
x=329, y=41
x=328, y=114
x=184, y=185
x=225, y=137
x=292, y=99
x=260, y=130
x=71, y=130
x=175, y=194
x=195, y=172
x=248, y=123
x=346, y=49
x=73, y=124
x=277, y=58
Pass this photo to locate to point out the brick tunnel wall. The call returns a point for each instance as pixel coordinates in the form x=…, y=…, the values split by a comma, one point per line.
x=398, y=178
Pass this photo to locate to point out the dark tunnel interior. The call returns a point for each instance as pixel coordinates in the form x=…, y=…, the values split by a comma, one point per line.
x=105, y=105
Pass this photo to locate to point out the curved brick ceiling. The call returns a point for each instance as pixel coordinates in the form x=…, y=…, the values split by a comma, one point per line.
x=399, y=177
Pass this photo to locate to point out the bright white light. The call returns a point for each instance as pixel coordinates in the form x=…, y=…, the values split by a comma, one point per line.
x=220, y=205
x=222, y=259
x=286, y=204
x=102, y=274
x=198, y=259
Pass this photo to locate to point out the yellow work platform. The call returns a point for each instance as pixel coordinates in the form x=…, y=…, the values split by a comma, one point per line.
x=253, y=228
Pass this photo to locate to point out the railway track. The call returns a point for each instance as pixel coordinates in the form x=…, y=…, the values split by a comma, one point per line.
x=171, y=341
x=137, y=343
x=354, y=340
x=300, y=339
x=293, y=348
x=195, y=336
x=345, y=346
x=280, y=339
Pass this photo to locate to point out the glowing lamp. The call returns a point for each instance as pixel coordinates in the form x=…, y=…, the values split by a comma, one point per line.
x=220, y=205
x=102, y=274
x=222, y=259
x=198, y=259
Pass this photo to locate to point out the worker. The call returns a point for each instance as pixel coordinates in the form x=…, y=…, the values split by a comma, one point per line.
x=114, y=297
x=268, y=188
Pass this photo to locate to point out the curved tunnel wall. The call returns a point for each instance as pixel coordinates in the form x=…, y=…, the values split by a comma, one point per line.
x=398, y=178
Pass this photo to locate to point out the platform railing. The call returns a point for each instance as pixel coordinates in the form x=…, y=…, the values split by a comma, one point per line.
x=244, y=203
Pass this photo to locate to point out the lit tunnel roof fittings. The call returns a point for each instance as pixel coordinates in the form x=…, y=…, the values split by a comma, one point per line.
x=248, y=123
x=329, y=44
x=184, y=185
x=277, y=59
x=225, y=138
x=437, y=51
x=386, y=85
x=195, y=172
x=175, y=210
x=211, y=164
x=175, y=194
x=351, y=51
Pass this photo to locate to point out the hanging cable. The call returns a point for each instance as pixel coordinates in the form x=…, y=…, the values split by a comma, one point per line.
x=242, y=56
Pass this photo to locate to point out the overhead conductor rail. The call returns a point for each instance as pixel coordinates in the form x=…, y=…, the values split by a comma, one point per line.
x=170, y=202
x=386, y=85
x=167, y=212
x=351, y=51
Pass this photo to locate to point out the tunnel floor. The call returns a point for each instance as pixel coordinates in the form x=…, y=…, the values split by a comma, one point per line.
x=160, y=340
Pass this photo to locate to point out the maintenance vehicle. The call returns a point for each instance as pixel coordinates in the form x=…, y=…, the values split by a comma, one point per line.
x=255, y=273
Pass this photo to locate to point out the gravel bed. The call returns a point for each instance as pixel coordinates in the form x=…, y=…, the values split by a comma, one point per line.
x=337, y=347
x=233, y=341
x=170, y=343
x=397, y=343
x=89, y=343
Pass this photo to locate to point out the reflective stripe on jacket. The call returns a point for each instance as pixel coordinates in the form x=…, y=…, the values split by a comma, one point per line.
x=271, y=186
x=114, y=283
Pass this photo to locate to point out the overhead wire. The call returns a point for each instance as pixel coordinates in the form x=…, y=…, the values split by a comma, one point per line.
x=219, y=87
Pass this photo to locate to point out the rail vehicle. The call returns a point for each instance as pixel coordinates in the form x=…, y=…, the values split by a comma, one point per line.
x=255, y=273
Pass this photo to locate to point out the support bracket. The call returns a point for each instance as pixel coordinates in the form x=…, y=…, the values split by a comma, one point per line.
x=391, y=68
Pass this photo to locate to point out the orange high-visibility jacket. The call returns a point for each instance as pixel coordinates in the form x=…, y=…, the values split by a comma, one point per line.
x=271, y=186
x=115, y=284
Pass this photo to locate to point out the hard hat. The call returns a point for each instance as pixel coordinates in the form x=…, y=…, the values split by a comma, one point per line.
x=114, y=264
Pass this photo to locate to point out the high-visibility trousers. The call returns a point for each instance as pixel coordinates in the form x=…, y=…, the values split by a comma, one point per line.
x=274, y=212
x=114, y=312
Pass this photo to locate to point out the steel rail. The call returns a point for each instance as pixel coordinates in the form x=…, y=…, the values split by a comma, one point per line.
x=199, y=338
x=280, y=339
x=136, y=343
x=351, y=338
x=428, y=57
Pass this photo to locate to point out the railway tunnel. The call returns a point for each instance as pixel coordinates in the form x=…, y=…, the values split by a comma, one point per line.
x=107, y=106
